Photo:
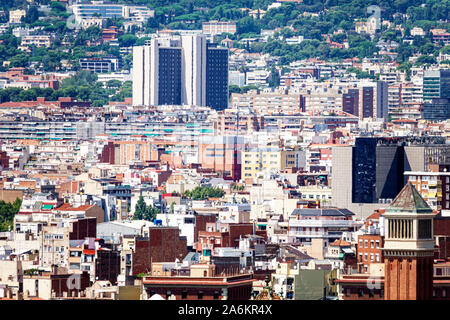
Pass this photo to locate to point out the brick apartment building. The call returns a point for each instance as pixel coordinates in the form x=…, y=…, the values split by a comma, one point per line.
x=227, y=235
x=369, y=250
x=199, y=282
x=163, y=244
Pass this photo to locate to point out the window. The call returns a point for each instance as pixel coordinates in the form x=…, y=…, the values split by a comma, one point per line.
x=365, y=256
x=366, y=243
x=216, y=295
x=184, y=294
x=378, y=244
x=200, y=295
x=425, y=229
x=361, y=292
x=372, y=244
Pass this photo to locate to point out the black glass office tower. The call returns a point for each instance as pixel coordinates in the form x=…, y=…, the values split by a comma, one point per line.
x=169, y=86
x=379, y=163
x=216, y=77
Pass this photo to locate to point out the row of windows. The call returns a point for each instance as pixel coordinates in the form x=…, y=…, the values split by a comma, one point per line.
x=373, y=244
x=373, y=257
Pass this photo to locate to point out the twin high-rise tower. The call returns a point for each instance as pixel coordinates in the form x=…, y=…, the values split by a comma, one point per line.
x=186, y=71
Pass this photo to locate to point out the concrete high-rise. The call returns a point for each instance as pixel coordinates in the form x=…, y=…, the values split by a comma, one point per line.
x=194, y=70
x=185, y=71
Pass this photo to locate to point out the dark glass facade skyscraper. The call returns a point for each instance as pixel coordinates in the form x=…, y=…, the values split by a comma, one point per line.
x=169, y=88
x=216, y=77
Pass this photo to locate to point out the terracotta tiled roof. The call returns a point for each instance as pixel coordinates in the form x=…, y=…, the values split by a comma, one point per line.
x=341, y=243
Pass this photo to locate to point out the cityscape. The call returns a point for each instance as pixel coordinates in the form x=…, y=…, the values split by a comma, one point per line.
x=225, y=150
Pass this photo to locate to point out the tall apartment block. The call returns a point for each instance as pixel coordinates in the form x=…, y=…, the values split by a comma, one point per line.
x=185, y=71
x=368, y=101
x=371, y=172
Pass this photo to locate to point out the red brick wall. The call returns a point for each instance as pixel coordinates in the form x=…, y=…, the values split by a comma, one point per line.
x=362, y=250
x=59, y=284
x=441, y=226
x=409, y=278
x=83, y=228
x=141, y=257
x=166, y=245
x=107, y=155
x=200, y=224
x=163, y=245
x=237, y=230
x=444, y=247
x=107, y=266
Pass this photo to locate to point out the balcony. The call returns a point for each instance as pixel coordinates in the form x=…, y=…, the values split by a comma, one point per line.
x=325, y=223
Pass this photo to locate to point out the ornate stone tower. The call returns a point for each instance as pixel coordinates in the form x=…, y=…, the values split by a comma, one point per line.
x=408, y=247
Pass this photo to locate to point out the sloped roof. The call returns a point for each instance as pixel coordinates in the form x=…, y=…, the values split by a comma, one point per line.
x=341, y=243
x=409, y=200
x=334, y=212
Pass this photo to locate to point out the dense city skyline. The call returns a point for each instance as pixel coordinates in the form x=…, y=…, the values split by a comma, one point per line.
x=224, y=150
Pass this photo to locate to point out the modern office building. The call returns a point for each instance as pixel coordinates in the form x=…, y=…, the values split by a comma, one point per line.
x=371, y=172
x=105, y=64
x=102, y=10
x=185, y=71
x=108, y=11
x=436, y=110
x=436, y=84
x=216, y=77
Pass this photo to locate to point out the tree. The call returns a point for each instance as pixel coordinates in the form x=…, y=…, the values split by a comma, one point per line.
x=203, y=193
x=32, y=15
x=144, y=212
x=127, y=40
x=140, y=209
x=274, y=78
x=7, y=213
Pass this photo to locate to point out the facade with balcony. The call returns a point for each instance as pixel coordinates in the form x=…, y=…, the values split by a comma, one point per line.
x=327, y=223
